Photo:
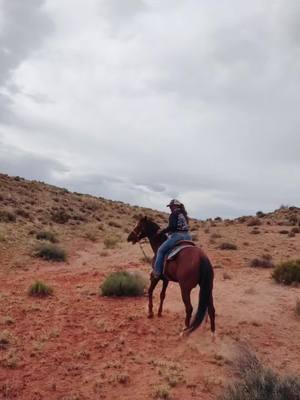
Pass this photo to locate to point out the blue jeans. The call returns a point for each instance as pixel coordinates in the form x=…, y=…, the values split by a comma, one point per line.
x=167, y=246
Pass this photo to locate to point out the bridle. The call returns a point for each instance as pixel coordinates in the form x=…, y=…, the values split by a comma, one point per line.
x=137, y=237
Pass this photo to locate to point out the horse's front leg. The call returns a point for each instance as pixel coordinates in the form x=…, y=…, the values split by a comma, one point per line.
x=153, y=283
x=162, y=296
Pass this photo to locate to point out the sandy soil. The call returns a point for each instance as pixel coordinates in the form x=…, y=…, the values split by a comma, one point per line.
x=77, y=345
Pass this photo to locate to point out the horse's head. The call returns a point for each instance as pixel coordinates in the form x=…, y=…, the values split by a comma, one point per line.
x=144, y=228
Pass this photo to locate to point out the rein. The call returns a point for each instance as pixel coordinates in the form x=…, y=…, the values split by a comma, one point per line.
x=145, y=255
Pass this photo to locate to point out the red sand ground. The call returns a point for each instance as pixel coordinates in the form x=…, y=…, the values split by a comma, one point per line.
x=77, y=345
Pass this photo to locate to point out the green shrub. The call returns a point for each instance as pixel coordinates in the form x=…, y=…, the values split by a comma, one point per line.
x=40, y=289
x=227, y=246
x=51, y=252
x=287, y=272
x=260, y=383
x=123, y=284
x=46, y=235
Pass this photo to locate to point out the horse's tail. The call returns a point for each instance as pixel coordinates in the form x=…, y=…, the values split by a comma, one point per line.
x=205, y=293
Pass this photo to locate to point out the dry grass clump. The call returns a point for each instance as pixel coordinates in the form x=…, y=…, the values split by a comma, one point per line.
x=47, y=235
x=227, y=246
x=284, y=232
x=5, y=339
x=60, y=217
x=295, y=230
x=264, y=262
x=215, y=236
x=161, y=392
x=254, y=222
x=92, y=236
x=123, y=283
x=114, y=224
x=111, y=242
x=7, y=216
x=287, y=272
x=51, y=252
x=260, y=383
x=40, y=289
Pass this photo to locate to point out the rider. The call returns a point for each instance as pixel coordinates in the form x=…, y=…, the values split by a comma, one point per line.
x=178, y=229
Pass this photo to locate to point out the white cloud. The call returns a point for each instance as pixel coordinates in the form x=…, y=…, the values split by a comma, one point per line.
x=175, y=98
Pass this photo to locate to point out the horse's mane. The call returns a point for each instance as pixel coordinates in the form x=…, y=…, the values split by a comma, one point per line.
x=151, y=227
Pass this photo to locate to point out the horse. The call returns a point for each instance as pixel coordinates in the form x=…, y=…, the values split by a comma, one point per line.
x=190, y=267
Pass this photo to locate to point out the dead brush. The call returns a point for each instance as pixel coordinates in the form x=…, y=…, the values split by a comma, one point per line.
x=227, y=246
x=264, y=262
x=51, y=252
x=7, y=216
x=47, y=235
x=259, y=382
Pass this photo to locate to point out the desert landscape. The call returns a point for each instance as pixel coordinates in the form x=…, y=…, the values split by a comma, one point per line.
x=76, y=344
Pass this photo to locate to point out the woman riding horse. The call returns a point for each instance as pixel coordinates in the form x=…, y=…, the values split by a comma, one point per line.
x=190, y=267
x=178, y=229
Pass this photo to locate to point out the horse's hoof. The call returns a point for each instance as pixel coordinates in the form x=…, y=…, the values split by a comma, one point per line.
x=151, y=315
x=159, y=314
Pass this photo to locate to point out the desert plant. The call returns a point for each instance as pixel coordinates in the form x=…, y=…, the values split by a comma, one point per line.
x=284, y=232
x=161, y=392
x=60, y=217
x=123, y=284
x=114, y=224
x=5, y=338
x=227, y=246
x=51, y=252
x=46, y=235
x=111, y=242
x=254, y=222
x=92, y=236
x=287, y=272
x=264, y=262
x=7, y=216
x=258, y=382
x=40, y=289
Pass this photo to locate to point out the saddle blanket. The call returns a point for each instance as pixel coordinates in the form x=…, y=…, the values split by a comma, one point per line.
x=176, y=250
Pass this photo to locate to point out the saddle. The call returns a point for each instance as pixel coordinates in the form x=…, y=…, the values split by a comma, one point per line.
x=182, y=244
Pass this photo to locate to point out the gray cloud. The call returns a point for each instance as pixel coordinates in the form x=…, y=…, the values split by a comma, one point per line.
x=14, y=161
x=24, y=26
x=145, y=100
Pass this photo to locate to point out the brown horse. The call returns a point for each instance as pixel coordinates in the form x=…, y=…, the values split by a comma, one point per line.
x=191, y=267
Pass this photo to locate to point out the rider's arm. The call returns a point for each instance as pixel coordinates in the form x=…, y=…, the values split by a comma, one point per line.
x=172, y=224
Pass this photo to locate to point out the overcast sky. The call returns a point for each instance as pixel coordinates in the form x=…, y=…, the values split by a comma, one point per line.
x=146, y=100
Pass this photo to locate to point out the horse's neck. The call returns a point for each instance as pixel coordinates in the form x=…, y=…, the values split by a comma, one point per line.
x=155, y=242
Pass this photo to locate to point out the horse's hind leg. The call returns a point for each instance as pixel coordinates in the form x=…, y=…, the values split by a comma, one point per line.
x=211, y=313
x=186, y=297
x=162, y=296
x=152, y=286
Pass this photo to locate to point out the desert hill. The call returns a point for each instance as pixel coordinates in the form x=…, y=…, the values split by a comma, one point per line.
x=77, y=345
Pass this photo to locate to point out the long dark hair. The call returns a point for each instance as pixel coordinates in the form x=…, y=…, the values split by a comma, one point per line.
x=184, y=212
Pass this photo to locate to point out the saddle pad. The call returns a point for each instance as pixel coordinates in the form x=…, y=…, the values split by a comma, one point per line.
x=177, y=249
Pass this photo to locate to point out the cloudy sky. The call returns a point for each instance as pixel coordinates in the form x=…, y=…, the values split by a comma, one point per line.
x=146, y=100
